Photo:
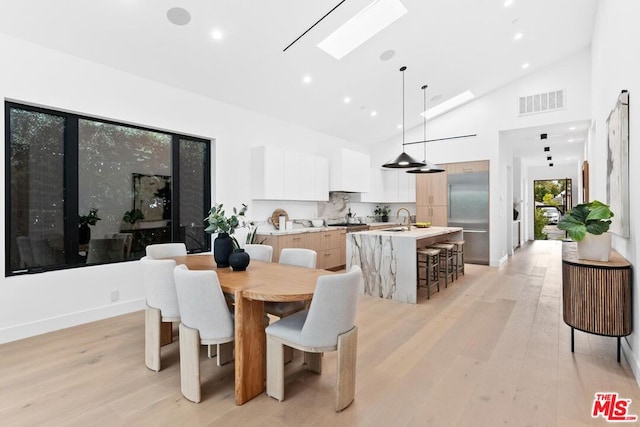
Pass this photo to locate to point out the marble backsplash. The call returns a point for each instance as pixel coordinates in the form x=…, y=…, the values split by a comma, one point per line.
x=336, y=208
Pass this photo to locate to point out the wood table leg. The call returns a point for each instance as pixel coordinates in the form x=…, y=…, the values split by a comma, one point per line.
x=250, y=348
x=166, y=333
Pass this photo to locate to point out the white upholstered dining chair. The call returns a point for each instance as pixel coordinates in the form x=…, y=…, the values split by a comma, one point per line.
x=292, y=256
x=259, y=252
x=328, y=325
x=162, y=305
x=205, y=320
x=164, y=250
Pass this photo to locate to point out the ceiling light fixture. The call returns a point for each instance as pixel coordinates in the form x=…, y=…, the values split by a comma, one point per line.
x=548, y=157
x=346, y=100
x=508, y=3
x=217, y=35
x=374, y=113
x=366, y=24
x=518, y=36
x=428, y=166
x=525, y=65
x=306, y=79
x=547, y=149
x=403, y=160
x=572, y=128
x=449, y=104
x=550, y=165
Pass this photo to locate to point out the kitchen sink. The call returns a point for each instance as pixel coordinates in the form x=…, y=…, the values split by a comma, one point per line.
x=395, y=229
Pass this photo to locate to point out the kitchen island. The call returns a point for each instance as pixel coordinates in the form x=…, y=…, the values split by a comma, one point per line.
x=388, y=258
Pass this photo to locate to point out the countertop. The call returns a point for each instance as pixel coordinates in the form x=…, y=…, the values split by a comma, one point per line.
x=319, y=229
x=415, y=233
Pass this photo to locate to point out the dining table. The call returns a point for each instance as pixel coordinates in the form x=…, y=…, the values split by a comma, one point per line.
x=260, y=282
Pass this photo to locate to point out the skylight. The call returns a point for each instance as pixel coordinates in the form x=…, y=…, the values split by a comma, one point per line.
x=449, y=104
x=366, y=24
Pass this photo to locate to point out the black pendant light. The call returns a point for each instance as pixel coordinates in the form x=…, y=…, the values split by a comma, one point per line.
x=428, y=166
x=403, y=160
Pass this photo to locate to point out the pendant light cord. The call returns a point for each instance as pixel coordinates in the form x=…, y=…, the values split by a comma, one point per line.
x=402, y=69
x=424, y=127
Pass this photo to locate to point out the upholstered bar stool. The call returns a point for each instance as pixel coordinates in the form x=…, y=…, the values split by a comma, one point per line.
x=427, y=260
x=447, y=265
x=459, y=254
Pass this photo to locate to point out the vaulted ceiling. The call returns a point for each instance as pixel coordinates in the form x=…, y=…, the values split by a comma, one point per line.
x=451, y=45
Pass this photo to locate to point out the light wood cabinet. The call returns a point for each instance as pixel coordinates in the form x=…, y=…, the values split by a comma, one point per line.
x=431, y=198
x=467, y=167
x=330, y=245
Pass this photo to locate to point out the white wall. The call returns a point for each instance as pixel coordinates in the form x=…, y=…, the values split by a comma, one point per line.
x=487, y=116
x=38, y=303
x=616, y=66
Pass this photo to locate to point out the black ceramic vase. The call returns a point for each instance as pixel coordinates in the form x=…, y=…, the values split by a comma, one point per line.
x=385, y=218
x=84, y=234
x=222, y=248
x=239, y=260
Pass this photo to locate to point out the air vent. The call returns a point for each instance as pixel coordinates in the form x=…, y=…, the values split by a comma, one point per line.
x=541, y=102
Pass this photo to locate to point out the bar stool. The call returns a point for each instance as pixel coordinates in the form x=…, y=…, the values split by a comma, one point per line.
x=428, y=259
x=459, y=254
x=447, y=262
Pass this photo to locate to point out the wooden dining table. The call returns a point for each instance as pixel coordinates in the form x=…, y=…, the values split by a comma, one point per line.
x=262, y=281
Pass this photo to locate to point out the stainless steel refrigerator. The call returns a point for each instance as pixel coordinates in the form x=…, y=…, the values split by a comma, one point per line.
x=469, y=209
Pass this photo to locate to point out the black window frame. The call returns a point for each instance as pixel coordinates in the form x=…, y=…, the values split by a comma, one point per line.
x=71, y=185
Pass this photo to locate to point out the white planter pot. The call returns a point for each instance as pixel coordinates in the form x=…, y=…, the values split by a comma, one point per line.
x=595, y=247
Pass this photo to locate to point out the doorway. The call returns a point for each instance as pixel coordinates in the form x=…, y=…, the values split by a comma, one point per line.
x=552, y=199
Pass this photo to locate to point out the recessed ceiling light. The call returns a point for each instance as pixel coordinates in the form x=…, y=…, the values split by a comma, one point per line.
x=387, y=55
x=447, y=105
x=508, y=3
x=572, y=128
x=306, y=79
x=178, y=16
x=217, y=35
x=548, y=157
x=518, y=36
x=346, y=100
x=366, y=24
x=571, y=140
x=374, y=113
x=547, y=149
x=550, y=165
x=399, y=126
x=525, y=65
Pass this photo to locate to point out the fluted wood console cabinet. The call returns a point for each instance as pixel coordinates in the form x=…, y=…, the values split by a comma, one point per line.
x=596, y=296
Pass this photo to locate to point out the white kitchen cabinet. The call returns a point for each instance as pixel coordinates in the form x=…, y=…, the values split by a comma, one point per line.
x=321, y=178
x=391, y=186
x=278, y=174
x=267, y=173
x=349, y=171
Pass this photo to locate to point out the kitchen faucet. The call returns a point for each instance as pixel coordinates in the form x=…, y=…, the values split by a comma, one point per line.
x=408, y=217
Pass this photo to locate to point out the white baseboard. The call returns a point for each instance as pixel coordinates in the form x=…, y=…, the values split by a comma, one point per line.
x=634, y=363
x=38, y=327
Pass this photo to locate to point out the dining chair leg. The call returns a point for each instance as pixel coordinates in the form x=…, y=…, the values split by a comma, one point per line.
x=346, y=370
x=190, y=363
x=225, y=353
x=152, y=321
x=275, y=369
x=313, y=361
x=288, y=354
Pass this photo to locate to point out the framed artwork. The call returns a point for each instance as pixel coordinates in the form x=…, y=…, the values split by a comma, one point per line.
x=618, y=165
x=152, y=195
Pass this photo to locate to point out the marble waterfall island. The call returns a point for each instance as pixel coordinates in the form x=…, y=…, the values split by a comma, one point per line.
x=388, y=258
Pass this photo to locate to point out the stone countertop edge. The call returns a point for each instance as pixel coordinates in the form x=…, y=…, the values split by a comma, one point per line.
x=319, y=229
x=416, y=233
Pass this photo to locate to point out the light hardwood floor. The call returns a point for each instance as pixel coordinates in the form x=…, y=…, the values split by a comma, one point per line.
x=490, y=350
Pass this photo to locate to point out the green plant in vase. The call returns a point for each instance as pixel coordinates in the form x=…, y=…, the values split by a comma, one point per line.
x=588, y=224
x=225, y=243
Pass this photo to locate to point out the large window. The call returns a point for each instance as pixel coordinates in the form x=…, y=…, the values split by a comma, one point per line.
x=84, y=191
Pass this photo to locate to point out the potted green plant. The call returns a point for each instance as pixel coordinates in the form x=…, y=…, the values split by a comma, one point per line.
x=84, y=221
x=225, y=243
x=382, y=212
x=133, y=216
x=588, y=224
